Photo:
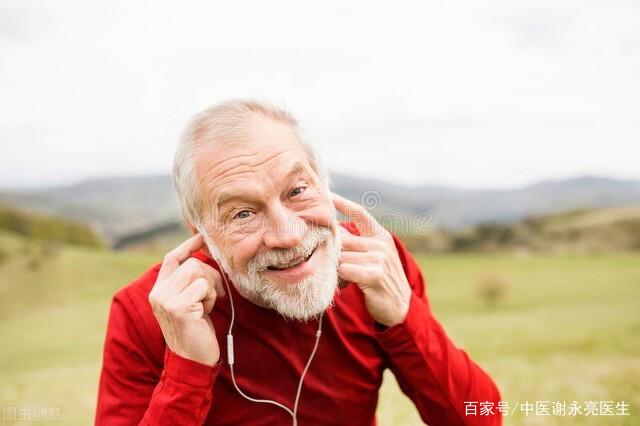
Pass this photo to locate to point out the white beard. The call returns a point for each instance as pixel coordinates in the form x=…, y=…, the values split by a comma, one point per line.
x=304, y=300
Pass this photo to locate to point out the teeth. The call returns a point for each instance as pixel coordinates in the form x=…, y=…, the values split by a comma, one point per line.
x=289, y=265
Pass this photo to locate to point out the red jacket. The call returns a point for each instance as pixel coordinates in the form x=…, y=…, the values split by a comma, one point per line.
x=143, y=382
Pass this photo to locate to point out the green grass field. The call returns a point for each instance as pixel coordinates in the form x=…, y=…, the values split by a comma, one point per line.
x=569, y=328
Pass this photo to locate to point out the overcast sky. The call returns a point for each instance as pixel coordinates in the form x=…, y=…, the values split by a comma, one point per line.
x=466, y=93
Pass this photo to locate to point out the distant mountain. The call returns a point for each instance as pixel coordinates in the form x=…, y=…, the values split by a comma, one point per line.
x=454, y=208
x=582, y=230
x=121, y=206
x=114, y=206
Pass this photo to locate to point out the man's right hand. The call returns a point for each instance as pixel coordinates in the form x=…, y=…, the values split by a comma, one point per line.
x=182, y=299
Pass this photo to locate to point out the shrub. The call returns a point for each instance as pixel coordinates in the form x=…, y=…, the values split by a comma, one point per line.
x=492, y=288
x=41, y=227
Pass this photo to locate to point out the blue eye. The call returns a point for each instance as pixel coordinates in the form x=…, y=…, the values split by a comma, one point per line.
x=243, y=214
x=297, y=191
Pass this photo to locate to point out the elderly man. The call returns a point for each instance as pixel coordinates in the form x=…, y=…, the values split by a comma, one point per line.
x=273, y=312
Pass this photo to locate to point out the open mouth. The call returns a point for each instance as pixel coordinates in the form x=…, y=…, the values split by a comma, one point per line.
x=293, y=264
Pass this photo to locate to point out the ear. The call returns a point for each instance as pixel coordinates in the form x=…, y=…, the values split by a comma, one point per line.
x=205, y=248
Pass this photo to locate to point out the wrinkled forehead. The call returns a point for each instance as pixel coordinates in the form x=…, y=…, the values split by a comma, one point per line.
x=265, y=151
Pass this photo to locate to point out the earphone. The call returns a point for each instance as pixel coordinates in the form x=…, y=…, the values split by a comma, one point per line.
x=231, y=357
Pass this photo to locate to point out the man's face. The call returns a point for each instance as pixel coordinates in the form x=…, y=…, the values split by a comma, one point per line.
x=271, y=220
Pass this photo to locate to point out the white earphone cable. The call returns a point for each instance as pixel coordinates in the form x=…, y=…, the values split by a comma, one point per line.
x=231, y=360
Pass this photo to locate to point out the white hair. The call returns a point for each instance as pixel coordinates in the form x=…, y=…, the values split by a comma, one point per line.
x=225, y=122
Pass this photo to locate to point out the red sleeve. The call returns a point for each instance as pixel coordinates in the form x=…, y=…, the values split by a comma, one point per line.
x=134, y=390
x=430, y=369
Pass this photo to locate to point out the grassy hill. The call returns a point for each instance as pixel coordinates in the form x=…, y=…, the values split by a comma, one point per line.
x=566, y=329
x=114, y=206
x=53, y=308
x=158, y=238
x=124, y=205
x=47, y=228
x=586, y=230
x=616, y=228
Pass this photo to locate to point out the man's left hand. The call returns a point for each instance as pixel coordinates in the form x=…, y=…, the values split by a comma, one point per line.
x=371, y=261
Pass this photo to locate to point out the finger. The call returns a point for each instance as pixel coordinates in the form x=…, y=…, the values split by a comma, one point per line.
x=360, y=257
x=210, y=298
x=213, y=276
x=175, y=257
x=200, y=291
x=191, y=270
x=352, y=272
x=216, y=279
x=352, y=242
x=367, y=277
x=367, y=224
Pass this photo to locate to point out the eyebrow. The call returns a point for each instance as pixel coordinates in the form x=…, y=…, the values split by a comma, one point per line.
x=226, y=197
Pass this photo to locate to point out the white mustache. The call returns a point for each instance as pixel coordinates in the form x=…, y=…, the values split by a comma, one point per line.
x=281, y=257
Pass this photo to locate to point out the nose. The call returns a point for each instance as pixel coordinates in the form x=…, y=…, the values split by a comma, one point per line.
x=284, y=230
